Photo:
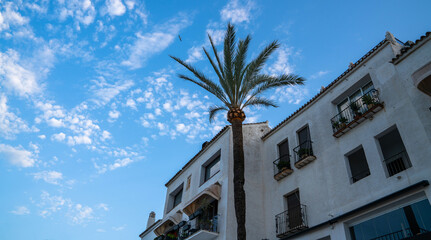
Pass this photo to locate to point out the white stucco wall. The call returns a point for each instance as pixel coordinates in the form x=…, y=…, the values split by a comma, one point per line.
x=324, y=185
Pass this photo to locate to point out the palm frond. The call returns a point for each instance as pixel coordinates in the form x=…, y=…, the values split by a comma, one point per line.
x=229, y=55
x=239, y=63
x=259, y=101
x=210, y=89
x=216, y=55
x=200, y=76
x=213, y=110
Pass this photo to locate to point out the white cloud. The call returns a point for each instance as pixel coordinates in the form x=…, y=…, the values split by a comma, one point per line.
x=17, y=156
x=115, y=7
x=293, y=95
x=319, y=74
x=80, y=139
x=104, y=92
x=10, y=17
x=10, y=124
x=105, y=135
x=103, y=206
x=149, y=44
x=120, y=228
x=76, y=212
x=282, y=64
x=82, y=11
x=42, y=136
x=21, y=210
x=51, y=177
x=58, y=137
x=114, y=114
x=120, y=163
x=131, y=103
x=237, y=12
x=15, y=77
x=130, y=4
x=100, y=230
x=81, y=214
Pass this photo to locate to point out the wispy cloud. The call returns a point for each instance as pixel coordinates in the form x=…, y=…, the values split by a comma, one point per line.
x=319, y=74
x=52, y=177
x=115, y=7
x=21, y=210
x=237, y=11
x=17, y=156
x=10, y=123
x=149, y=44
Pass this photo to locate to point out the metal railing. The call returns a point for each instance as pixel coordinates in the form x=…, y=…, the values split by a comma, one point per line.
x=281, y=164
x=397, y=163
x=198, y=224
x=355, y=110
x=304, y=150
x=398, y=235
x=291, y=220
x=360, y=175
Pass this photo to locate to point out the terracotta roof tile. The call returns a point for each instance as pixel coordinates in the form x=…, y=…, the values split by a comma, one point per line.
x=407, y=48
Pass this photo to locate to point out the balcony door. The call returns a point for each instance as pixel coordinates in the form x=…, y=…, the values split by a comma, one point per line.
x=294, y=210
x=283, y=150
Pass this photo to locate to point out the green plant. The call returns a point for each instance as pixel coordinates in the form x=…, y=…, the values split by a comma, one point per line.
x=283, y=164
x=354, y=106
x=343, y=120
x=336, y=124
x=304, y=151
x=367, y=99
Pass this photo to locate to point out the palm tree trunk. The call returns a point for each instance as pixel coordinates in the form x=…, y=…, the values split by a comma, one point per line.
x=238, y=177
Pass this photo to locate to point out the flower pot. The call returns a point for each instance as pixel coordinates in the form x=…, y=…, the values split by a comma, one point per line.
x=371, y=105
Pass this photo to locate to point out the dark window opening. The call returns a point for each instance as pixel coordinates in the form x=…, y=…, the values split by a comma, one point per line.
x=394, y=152
x=212, y=168
x=358, y=165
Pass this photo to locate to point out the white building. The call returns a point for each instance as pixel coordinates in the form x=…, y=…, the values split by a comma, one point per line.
x=352, y=163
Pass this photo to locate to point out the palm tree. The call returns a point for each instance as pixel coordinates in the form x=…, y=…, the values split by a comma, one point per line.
x=240, y=85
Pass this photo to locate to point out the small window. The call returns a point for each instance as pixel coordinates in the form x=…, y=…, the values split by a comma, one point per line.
x=177, y=198
x=394, y=153
x=212, y=168
x=358, y=165
x=189, y=179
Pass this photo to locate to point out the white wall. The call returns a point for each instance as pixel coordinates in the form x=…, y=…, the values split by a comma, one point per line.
x=324, y=185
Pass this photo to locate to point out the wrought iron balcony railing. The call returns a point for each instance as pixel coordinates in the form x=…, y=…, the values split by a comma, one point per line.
x=397, y=163
x=304, y=154
x=282, y=167
x=291, y=221
x=358, y=111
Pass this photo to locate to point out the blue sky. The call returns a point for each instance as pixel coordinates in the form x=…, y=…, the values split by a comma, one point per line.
x=94, y=121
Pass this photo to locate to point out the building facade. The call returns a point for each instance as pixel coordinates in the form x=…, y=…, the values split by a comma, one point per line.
x=353, y=163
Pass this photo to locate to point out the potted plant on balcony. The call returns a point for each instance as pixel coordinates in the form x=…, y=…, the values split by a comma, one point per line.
x=356, y=110
x=282, y=165
x=343, y=122
x=369, y=101
x=335, y=124
x=171, y=236
x=304, y=152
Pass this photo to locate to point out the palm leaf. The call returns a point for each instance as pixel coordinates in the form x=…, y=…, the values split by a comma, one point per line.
x=213, y=110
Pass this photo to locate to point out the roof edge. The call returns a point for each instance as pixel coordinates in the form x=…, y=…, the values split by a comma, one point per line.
x=331, y=85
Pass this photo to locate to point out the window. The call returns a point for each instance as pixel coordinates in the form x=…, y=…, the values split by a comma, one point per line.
x=283, y=153
x=358, y=165
x=394, y=152
x=211, y=167
x=294, y=210
x=175, y=197
x=402, y=223
x=344, y=104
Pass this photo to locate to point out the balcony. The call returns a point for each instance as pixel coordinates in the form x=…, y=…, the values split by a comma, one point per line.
x=397, y=163
x=291, y=221
x=360, y=110
x=304, y=154
x=200, y=227
x=282, y=167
